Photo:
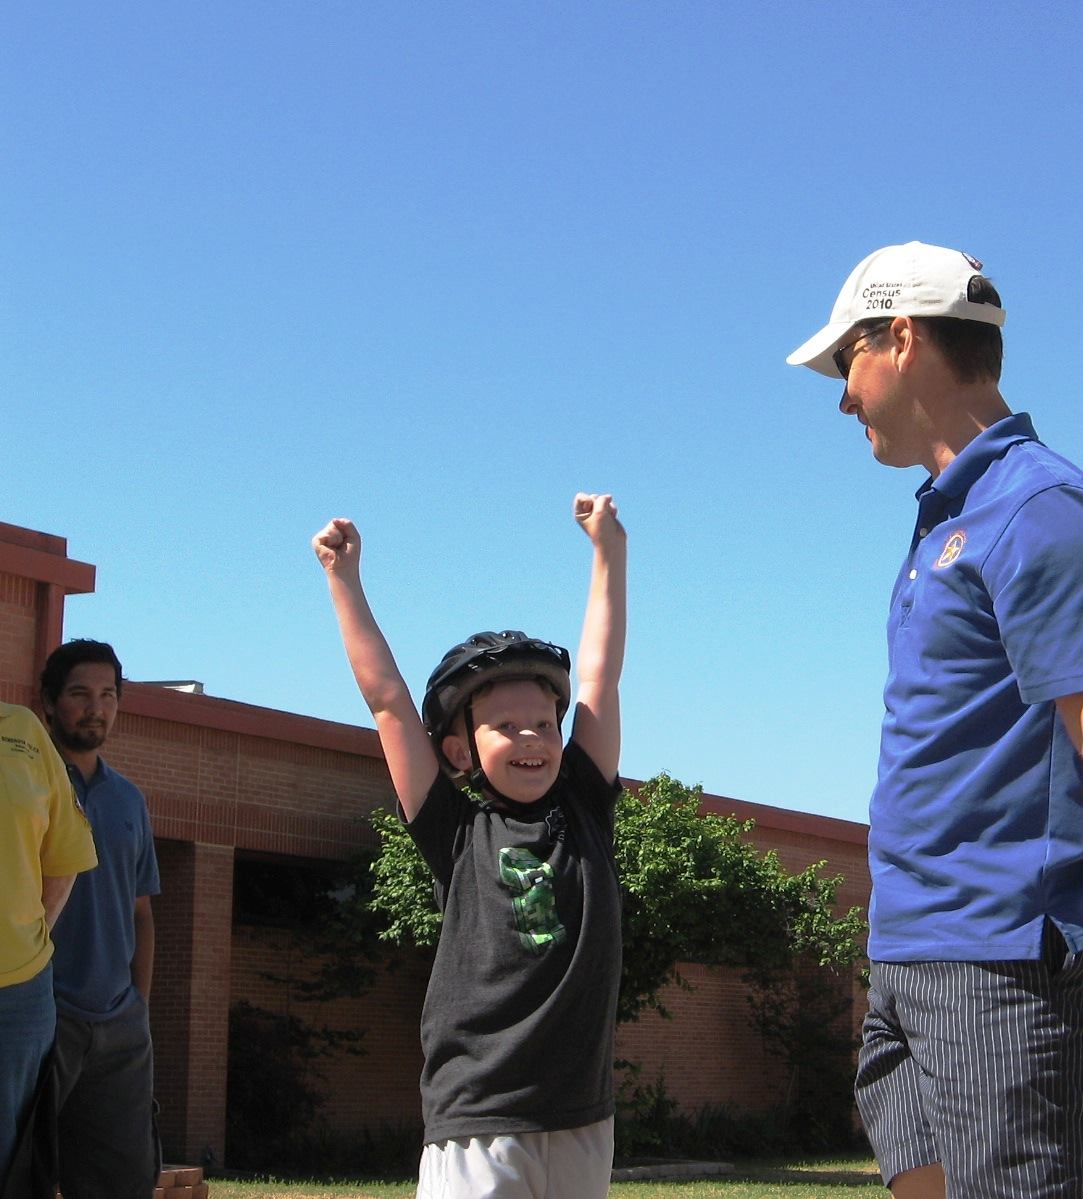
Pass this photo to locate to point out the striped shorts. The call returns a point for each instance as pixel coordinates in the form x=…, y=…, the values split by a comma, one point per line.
x=978, y=1065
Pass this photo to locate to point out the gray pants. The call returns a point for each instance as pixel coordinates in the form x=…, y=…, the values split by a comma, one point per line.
x=978, y=1065
x=105, y=1101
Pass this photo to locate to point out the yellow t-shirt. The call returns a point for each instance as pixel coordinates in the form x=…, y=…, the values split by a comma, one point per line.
x=42, y=832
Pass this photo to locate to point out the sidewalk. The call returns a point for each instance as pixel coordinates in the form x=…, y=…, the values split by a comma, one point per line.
x=671, y=1171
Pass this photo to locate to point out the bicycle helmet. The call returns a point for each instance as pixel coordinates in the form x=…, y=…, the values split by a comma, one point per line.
x=479, y=661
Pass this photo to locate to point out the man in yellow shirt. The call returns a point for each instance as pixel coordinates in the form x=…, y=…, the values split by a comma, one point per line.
x=45, y=841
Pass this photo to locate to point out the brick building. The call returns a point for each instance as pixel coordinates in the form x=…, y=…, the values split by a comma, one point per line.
x=229, y=784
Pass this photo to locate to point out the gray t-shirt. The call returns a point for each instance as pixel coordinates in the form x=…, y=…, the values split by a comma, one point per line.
x=517, y=1028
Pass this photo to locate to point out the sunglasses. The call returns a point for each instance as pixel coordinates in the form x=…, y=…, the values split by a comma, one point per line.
x=843, y=359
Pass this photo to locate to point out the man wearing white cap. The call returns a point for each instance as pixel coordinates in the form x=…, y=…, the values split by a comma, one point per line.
x=971, y=1073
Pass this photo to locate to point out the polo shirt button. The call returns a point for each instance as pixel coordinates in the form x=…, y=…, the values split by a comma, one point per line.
x=913, y=574
x=923, y=532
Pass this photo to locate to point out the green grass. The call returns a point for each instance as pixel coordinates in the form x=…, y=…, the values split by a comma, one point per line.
x=221, y=1189
x=852, y=1178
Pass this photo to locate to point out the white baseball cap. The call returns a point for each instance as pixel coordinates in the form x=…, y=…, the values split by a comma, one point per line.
x=910, y=280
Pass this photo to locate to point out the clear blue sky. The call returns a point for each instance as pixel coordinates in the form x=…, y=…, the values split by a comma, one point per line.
x=436, y=266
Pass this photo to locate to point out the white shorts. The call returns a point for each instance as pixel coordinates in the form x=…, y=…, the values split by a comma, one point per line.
x=575, y=1163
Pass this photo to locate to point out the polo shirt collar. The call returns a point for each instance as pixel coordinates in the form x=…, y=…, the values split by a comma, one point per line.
x=976, y=458
x=102, y=774
x=104, y=771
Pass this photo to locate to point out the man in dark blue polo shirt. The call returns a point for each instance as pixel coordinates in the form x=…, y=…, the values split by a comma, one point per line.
x=104, y=947
x=971, y=1071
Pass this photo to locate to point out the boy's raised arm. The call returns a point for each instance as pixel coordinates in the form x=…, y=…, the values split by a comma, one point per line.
x=407, y=748
x=601, y=648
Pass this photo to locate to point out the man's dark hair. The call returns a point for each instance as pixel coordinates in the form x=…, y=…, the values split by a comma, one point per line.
x=973, y=349
x=63, y=660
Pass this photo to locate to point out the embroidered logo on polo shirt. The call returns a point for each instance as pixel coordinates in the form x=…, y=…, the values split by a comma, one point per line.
x=953, y=547
x=20, y=747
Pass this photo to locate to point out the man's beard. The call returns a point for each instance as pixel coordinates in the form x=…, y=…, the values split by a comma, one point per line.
x=80, y=739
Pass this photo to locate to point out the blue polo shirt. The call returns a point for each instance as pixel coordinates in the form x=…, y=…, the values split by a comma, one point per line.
x=95, y=933
x=976, y=823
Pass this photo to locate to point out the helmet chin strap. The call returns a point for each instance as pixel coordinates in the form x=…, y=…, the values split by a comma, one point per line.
x=477, y=777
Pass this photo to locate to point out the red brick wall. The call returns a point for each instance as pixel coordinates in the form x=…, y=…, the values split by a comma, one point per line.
x=35, y=576
x=190, y=1001
x=379, y=1088
x=171, y=998
x=259, y=793
x=212, y=913
x=707, y=1053
x=18, y=632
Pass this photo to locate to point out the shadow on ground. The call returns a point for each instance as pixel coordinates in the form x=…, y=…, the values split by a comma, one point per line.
x=808, y=1176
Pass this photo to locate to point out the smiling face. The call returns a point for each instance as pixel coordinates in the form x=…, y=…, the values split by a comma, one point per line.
x=518, y=739
x=82, y=715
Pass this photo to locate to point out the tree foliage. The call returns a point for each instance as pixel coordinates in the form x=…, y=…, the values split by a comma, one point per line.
x=695, y=889
x=402, y=892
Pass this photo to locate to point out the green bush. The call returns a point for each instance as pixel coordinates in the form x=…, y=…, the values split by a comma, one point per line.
x=389, y=1152
x=647, y=1120
x=649, y=1124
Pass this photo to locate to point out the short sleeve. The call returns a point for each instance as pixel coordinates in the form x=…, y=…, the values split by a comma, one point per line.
x=1034, y=575
x=435, y=829
x=147, y=881
x=590, y=787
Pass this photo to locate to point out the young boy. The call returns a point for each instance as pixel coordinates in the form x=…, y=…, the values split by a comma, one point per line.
x=517, y=1029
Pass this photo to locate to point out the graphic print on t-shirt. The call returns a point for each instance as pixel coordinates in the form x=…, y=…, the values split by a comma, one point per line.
x=531, y=884
x=556, y=823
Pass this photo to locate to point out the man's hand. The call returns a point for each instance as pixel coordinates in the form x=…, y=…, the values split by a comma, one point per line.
x=597, y=515
x=338, y=547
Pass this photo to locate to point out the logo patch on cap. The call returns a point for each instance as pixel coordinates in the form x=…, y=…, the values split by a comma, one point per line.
x=953, y=547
